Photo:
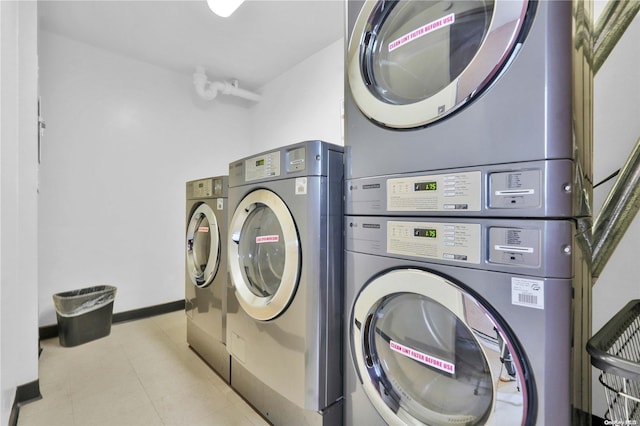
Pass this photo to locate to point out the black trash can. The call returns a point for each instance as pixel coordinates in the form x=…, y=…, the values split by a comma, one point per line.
x=84, y=315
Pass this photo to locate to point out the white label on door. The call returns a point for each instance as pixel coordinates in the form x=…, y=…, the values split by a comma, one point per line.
x=203, y=229
x=527, y=292
x=423, y=358
x=424, y=30
x=267, y=239
x=301, y=186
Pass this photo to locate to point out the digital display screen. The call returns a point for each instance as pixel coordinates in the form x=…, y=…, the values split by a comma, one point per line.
x=260, y=162
x=425, y=186
x=425, y=232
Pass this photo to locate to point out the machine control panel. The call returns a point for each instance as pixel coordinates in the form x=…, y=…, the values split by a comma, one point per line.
x=538, y=189
x=515, y=190
x=202, y=188
x=262, y=166
x=458, y=242
x=438, y=193
x=296, y=159
x=538, y=248
x=514, y=246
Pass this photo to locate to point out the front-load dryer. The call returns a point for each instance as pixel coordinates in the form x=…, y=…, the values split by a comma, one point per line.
x=206, y=277
x=285, y=257
x=457, y=321
x=434, y=85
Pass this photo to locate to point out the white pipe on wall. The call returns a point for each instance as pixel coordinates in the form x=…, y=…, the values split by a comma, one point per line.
x=209, y=90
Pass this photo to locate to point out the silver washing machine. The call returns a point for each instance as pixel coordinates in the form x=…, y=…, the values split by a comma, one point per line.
x=457, y=321
x=434, y=85
x=206, y=271
x=285, y=261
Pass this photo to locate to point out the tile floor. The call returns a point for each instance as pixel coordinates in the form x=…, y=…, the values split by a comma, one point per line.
x=142, y=374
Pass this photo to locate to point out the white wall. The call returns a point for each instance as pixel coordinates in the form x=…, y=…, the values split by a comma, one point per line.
x=616, y=130
x=304, y=103
x=18, y=177
x=122, y=139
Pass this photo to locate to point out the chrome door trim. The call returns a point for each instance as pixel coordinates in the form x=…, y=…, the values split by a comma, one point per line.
x=265, y=308
x=496, y=50
x=437, y=288
x=204, y=278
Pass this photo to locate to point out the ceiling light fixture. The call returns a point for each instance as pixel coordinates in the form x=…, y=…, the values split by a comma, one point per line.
x=224, y=8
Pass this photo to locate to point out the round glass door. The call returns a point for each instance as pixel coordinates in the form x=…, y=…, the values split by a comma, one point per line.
x=411, y=63
x=264, y=255
x=429, y=353
x=203, y=246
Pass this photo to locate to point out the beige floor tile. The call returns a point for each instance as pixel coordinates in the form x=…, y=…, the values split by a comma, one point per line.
x=142, y=374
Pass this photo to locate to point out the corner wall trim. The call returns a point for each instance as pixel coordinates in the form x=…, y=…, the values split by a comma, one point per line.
x=51, y=331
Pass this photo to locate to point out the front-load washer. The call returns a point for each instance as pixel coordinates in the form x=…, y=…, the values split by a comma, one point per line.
x=457, y=321
x=206, y=278
x=285, y=262
x=434, y=85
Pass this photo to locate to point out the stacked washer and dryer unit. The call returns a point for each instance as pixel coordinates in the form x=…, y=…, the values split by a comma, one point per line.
x=460, y=225
x=284, y=319
x=206, y=277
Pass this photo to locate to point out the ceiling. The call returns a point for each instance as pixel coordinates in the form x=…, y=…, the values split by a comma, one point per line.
x=260, y=41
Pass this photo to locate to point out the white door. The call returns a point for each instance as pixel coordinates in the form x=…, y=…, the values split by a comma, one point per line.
x=411, y=63
x=264, y=255
x=428, y=352
x=203, y=246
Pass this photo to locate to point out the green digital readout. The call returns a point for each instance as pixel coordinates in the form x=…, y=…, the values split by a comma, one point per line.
x=425, y=186
x=425, y=232
x=260, y=162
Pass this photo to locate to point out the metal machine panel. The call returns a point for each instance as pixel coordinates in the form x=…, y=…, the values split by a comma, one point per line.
x=530, y=189
x=453, y=274
x=206, y=271
x=293, y=356
x=521, y=114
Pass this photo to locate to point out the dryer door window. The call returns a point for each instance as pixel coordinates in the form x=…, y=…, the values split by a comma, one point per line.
x=429, y=352
x=203, y=246
x=411, y=63
x=264, y=255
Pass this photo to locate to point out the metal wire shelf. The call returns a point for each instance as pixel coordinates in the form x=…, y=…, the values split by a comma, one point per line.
x=615, y=350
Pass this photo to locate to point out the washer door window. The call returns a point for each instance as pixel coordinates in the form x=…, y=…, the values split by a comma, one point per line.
x=429, y=353
x=411, y=63
x=264, y=252
x=203, y=246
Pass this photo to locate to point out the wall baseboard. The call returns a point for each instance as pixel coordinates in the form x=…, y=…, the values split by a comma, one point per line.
x=51, y=331
x=26, y=393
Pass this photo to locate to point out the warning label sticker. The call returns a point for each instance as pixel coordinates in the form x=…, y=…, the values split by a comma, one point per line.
x=267, y=239
x=424, y=30
x=203, y=229
x=423, y=358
